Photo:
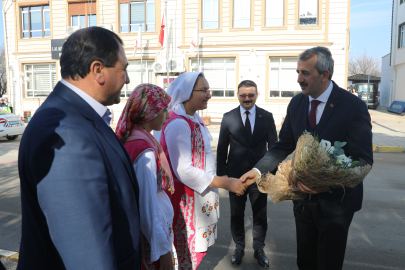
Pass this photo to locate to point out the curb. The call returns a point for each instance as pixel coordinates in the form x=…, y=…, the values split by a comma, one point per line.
x=388, y=149
x=9, y=255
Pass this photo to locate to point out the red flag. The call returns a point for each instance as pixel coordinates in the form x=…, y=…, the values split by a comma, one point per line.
x=162, y=31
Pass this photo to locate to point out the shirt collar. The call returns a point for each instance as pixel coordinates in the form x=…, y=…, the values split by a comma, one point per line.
x=97, y=106
x=251, y=111
x=325, y=95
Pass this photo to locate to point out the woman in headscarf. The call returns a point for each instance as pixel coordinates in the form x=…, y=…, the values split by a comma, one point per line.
x=146, y=110
x=187, y=144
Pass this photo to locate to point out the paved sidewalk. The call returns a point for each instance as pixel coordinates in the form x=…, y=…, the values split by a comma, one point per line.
x=388, y=131
x=388, y=128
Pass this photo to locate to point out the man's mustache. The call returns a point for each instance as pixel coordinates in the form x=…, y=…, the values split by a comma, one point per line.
x=303, y=84
x=247, y=101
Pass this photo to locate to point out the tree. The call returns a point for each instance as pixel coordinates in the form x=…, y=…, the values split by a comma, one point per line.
x=3, y=76
x=364, y=64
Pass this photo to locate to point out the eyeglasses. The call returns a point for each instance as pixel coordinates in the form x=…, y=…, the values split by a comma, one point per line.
x=206, y=91
x=249, y=95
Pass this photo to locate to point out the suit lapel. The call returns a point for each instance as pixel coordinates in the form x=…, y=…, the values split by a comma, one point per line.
x=329, y=108
x=238, y=118
x=88, y=112
x=303, y=117
x=259, y=122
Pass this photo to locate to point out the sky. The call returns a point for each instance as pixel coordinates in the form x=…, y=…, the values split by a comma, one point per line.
x=370, y=27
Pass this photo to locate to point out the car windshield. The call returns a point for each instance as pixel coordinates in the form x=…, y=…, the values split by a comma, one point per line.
x=362, y=88
x=3, y=112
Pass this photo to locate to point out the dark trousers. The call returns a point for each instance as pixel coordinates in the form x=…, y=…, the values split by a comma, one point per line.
x=321, y=241
x=258, y=201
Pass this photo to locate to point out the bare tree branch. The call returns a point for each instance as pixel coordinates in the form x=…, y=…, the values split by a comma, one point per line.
x=364, y=64
x=3, y=76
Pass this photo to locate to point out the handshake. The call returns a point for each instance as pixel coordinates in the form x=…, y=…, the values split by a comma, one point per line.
x=239, y=186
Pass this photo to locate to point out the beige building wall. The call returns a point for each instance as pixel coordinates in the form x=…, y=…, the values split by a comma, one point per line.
x=251, y=47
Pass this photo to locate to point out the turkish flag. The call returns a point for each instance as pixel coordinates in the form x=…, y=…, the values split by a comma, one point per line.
x=162, y=31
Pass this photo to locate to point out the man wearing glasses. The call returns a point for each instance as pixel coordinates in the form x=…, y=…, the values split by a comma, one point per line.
x=249, y=131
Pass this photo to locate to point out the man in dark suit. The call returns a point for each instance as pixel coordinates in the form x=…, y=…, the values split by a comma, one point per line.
x=79, y=193
x=249, y=131
x=333, y=114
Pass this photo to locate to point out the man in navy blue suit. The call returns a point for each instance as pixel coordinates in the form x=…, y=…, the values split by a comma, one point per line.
x=79, y=193
x=323, y=108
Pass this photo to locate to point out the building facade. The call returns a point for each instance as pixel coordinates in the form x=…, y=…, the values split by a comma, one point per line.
x=393, y=64
x=258, y=40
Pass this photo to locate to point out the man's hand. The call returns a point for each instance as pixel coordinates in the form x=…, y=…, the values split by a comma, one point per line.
x=236, y=185
x=166, y=261
x=315, y=190
x=250, y=177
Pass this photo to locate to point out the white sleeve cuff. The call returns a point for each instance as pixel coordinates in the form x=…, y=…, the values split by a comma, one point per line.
x=260, y=174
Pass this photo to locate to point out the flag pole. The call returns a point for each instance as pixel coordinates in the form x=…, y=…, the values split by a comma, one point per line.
x=198, y=45
x=167, y=44
x=141, y=57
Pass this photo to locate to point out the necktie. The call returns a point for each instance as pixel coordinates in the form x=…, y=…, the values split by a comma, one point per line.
x=248, y=127
x=107, y=117
x=312, y=113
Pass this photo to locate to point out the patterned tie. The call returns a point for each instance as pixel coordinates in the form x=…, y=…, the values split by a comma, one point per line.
x=312, y=113
x=248, y=127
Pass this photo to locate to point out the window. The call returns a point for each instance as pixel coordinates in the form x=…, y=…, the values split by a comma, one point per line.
x=220, y=73
x=241, y=13
x=134, y=73
x=135, y=13
x=274, y=13
x=41, y=79
x=401, y=1
x=210, y=14
x=308, y=12
x=401, y=36
x=283, y=77
x=36, y=22
x=83, y=14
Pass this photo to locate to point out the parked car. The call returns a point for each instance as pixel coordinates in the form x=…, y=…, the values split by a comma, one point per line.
x=11, y=125
x=373, y=94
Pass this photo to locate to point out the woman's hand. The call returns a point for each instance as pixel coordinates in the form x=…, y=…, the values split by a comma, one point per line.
x=236, y=185
x=166, y=261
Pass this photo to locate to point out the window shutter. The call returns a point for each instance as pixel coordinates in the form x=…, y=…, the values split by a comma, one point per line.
x=77, y=9
x=137, y=13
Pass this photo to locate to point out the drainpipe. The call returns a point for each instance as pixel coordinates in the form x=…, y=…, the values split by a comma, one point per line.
x=395, y=51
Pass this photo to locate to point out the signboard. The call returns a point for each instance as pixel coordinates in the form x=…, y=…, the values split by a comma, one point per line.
x=56, y=47
x=165, y=84
x=397, y=107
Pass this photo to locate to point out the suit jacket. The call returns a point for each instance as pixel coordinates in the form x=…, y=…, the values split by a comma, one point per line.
x=243, y=154
x=345, y=119
x=79, y=193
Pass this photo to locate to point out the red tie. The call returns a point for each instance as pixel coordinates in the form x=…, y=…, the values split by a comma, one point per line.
x=312, y=113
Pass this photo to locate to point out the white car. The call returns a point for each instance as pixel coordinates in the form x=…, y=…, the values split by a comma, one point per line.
x=11, y=125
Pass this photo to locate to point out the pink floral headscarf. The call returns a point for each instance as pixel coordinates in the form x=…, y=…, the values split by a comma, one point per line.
x=145, y=103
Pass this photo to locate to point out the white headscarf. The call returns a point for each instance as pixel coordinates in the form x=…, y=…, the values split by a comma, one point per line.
x=180, y=91
x=181, y=88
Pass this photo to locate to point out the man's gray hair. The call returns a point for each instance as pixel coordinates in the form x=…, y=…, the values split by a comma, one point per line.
x=324, y=62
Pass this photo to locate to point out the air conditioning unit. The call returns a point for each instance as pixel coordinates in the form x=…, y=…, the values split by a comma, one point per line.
x=176, y=65
x=71, y=29
x=106, y=26
x=159, y=67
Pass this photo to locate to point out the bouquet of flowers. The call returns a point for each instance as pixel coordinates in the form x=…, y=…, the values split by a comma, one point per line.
x=315, y=164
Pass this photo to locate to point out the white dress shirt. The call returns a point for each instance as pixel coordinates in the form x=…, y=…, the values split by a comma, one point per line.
x=97, y=106
x=252, y=116
x=323, y=99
